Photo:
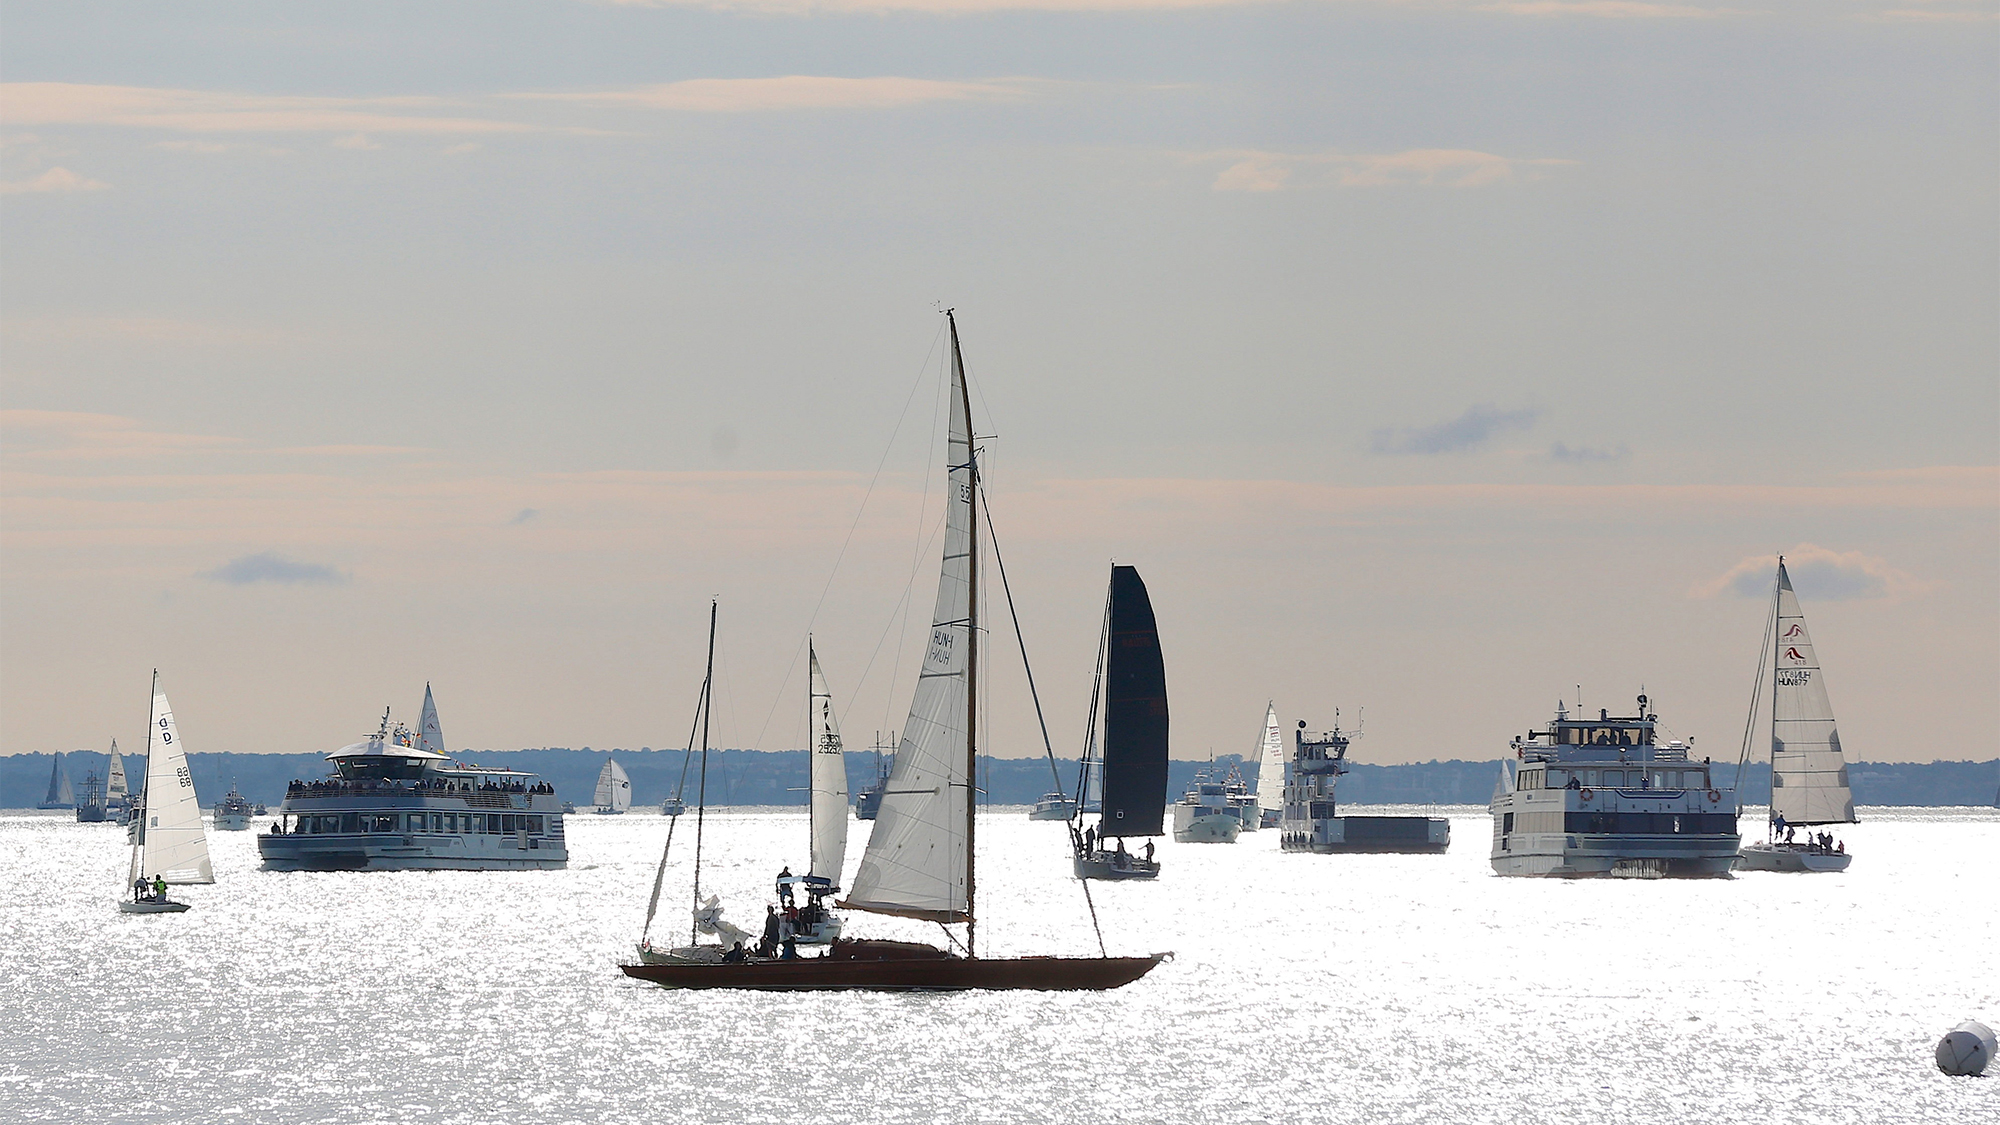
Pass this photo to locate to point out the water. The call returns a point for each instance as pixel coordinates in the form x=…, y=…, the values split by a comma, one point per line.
x=1303, y=988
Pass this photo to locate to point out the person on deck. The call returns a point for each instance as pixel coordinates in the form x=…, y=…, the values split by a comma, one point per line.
x=1149, y=851
x=791, y=952
x=735, y=954
x=785, y=887
x=769, y=944
x=1090, y=840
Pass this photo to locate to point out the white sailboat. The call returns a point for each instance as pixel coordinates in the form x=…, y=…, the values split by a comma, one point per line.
x=61, y=795
x=430, y=736
x=1808, y=771
x=816, y=924
x=614, y=790
x=117, y=791
x=171, y=848
x=1271, y=770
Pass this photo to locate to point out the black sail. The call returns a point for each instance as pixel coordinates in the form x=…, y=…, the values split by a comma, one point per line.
x=1135, y=714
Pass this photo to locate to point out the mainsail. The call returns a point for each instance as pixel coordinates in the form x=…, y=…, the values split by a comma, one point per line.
x=431, y=737
x=829, y=782
x=918, y=861
x=1271, y=764
x=115, y=788
x=61, y=794
x=1808, y=772
x=614, y=789
x=171, y=844
x=1135, y=714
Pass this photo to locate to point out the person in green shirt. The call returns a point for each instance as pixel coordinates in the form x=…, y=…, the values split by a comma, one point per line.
x=159, y=886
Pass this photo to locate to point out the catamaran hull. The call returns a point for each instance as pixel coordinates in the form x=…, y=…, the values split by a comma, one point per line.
x=956, y=974
x=1568, y=856
x=1768, y=857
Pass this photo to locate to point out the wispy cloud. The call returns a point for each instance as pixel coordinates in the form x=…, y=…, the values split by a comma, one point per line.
x=524, y=515
x=52, y=180
x=1818, y=573
x=1467, y=431
x=1607, y=9
x=211, y=111
x=356, y=141
x=1589, y=454
x=266, y=566
x=1252, y=170
x=790, y=92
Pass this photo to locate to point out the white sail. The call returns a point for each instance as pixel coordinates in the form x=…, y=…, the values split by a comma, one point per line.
x=1808, y=772
x=430, y=736
x=916, y=863
x=1271, y=764
x=65, y=792
x=614, y=789
x=829, y=782
x=115, y=788
x=172, y=842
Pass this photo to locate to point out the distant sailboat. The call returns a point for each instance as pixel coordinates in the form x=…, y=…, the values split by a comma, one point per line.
x=1132, y=781
x=1271, y=770
x=827, y=809
x=172, y=849
x=117, y=791
x=430, y=736
x=614, y=789
x=1808, y=771
x=920, y=861
x=61, y=794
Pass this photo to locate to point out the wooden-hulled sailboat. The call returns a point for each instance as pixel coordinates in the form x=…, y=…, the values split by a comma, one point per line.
x=1132, y=780
x=1808, y=771
x=920, y=857
x=171, y=848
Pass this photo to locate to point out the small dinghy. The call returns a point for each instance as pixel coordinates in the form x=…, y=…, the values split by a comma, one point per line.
x=169, y=846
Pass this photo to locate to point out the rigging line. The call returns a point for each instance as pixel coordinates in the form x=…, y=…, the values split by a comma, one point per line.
x=1764, y=649
x=680, y=787
x=902, y=606
x=923, y=371
x=922, y=540
x=1094, y=927
x=993, y=541
x=1090, y=729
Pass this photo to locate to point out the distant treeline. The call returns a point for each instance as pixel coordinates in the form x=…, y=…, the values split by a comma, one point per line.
x=778, y=777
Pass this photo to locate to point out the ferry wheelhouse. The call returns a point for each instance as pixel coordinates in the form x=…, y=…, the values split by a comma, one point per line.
x=390, y=805
x=1603, y=797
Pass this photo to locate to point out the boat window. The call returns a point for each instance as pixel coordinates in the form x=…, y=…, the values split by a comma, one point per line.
x=1614, y=778
x=1558, y=778
x=451, y=822
x=1506, y=823
x=1590, y=778
x=493, y=823
x=535, y=825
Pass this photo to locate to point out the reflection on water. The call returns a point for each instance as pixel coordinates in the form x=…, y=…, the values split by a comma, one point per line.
x=1304, y=988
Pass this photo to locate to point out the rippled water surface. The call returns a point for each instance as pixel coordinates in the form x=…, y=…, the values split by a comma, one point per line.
x=1303, y=988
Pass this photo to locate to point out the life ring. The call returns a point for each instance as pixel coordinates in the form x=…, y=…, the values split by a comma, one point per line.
x=1583, y=794
x=1714, y=796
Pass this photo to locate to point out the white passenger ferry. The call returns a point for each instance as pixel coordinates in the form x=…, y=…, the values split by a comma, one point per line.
x=1601, y=797
x=392, y=804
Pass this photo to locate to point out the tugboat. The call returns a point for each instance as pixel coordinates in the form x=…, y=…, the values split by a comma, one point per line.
x=1600, y=796
x=393, y=803
x=1205, y=813
x=233, y=812
x=1311, y=820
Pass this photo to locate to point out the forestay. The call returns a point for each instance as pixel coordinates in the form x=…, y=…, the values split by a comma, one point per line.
x=1271, y=764
x=1135, y=714
x=829, y=782
x=916, y=864
x=1808, y=771
x=172, y=843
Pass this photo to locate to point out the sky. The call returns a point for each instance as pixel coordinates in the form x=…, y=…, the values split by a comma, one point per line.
x=1434, y=361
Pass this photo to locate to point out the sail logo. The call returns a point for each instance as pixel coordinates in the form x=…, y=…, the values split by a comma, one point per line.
x=166, y=730
x=1797, y=630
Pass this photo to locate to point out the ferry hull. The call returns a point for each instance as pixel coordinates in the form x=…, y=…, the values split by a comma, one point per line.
x=1053, y=812
x=1658, y=857
x=941, y=974
x=232, y=822
x=1795, y=859
x=1399, y=835
x=391, y=853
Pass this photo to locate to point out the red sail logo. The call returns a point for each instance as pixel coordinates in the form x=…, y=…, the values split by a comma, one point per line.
x=1793, y=654
x=1795, y=630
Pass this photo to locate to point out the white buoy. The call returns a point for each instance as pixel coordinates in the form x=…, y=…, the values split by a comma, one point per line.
x=1966, y=1049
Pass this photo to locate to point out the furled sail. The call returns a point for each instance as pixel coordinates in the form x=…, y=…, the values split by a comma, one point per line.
x=115, y=786
x=614, y=789
x=1271, y=764
x=1808, y=772
x=916, y=863
x=431, y=737
x=829, y=782
x=1135, y=714
x=174, y=845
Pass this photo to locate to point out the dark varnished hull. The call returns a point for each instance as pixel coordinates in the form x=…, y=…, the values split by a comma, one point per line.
x=826, y=974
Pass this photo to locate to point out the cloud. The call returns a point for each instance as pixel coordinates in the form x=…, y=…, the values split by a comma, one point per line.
x=1606, y=9
x=1818, y=574
x=357, y=141
x=1470, y=429
x=208, y=111
x=524, y=515
x=1589, y=455
x=53, y=180
x=791, y=92
x=460, y=149
x=268, y=567
x=1251, y=170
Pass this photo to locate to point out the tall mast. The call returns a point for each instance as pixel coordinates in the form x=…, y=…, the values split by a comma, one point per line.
x=1771, y=739
x=701, y=806
x=971, y=637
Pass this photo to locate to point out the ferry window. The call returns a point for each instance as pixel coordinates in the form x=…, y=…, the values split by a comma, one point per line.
x=347, y=823
x=493, y=823
x=535, y=825
x=1506, y=823
x=451, y=822
x=1614, y=778
x=1590, y=777
x=1558, y=778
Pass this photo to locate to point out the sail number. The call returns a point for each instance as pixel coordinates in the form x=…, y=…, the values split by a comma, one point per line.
x=1797, y=678
x=940, y=646
x=187, y=779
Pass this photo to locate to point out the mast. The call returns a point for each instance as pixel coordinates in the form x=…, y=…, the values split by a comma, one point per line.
x=1771, y=738
x=971, y=640
x=145, y=786
x=701, y=791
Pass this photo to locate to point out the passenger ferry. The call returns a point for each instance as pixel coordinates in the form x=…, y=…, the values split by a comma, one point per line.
x=1602, y=797
x=390, y=805
x=1204, y=814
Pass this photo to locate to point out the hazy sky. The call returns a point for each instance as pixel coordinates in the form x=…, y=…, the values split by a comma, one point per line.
x=1432, y=357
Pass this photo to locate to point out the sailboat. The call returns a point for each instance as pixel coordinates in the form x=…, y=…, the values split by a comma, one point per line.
x=921, y=861
x=117, y=792
x=61, y=794
x=1132, y=780
x=1808, y=772
x=827, y=808
x=171, y=848
x=614, y=789
x=1270, y=770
